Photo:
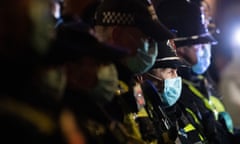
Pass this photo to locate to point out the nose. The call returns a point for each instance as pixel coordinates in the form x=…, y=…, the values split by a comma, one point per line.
x=174, y=73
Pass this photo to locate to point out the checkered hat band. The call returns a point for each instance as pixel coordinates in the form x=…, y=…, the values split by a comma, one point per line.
x=118, y=18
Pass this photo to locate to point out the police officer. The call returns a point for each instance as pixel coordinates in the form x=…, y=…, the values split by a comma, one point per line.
x=94, y=76
x=119, y=23
x=166, y=90
x=92, y=81
x=133, y=25
x=30, y=86
x=193, y=44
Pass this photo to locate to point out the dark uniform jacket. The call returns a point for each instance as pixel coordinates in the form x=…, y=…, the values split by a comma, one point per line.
x=29, y=119
x=100, y=124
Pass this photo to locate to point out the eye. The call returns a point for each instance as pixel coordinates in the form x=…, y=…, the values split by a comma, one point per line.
x=172, y=72
x=168, y=71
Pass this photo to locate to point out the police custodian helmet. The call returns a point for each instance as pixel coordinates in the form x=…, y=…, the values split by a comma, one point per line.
x=139, y=13
x=186, y=19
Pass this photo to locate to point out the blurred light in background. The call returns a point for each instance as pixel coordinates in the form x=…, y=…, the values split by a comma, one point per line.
x=235, y=36
x=231, y=26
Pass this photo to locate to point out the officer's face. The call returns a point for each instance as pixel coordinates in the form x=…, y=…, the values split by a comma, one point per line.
x=129, y=37
x=192, y=53
x=165, y=73
x=188, y=53
x=83, y=75
x=162, y=74
x=43, y=25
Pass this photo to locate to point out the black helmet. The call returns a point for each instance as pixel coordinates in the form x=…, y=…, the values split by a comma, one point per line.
x=167, y=56
x=139, y=13
x=186, y=19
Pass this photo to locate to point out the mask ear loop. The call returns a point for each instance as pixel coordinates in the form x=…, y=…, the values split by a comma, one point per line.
x=153, y=76
x=160, y=81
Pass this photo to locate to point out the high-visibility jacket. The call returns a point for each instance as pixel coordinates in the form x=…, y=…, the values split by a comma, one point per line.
x=196, y=96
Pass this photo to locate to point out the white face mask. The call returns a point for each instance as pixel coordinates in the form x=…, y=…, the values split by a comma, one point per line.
x=203, y=59
x=107, y=84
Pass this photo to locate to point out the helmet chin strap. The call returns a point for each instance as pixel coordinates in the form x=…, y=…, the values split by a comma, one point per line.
x=153, y=76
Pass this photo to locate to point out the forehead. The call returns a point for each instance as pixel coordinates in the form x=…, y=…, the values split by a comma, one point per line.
x=162, y=70
x=164, y=73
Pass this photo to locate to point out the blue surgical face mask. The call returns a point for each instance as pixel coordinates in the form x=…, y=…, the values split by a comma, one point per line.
x=172, y=90
x=144, y=59
x=203, y=59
